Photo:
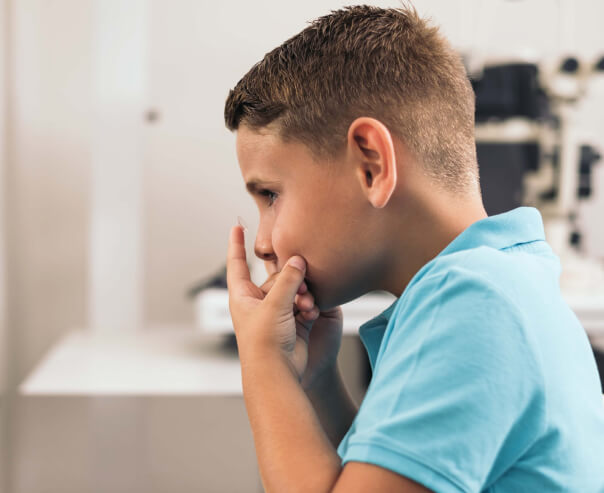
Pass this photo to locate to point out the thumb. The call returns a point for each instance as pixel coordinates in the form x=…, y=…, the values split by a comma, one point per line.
x=288, y=282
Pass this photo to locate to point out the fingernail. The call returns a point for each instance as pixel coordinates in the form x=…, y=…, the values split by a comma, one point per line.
x=241, y=223
x=297, y=262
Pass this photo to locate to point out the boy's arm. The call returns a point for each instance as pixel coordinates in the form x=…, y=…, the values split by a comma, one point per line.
x=294, y=452
x=332, y=403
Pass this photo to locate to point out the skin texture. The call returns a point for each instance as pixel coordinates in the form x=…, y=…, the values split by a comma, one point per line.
x=368, y=221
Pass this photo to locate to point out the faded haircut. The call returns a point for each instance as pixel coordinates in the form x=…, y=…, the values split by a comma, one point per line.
x=388, y=64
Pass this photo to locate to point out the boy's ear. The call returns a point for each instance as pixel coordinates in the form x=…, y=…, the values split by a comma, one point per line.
x=371, y=146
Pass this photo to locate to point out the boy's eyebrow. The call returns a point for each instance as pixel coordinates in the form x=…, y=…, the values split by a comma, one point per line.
x=256, y=184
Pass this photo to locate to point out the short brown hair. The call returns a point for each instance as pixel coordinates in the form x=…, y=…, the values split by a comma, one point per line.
x=388, y=64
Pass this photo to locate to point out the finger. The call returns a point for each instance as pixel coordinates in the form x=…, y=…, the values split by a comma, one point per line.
x=283, y=292
x=237, y=269
x=268, y=284
x=271, y=267
x=304, y=302
x=311, y=314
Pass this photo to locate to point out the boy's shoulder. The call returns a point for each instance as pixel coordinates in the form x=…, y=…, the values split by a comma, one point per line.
x=461, y=294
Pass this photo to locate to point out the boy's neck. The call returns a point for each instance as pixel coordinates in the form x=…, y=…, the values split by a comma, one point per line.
x=425, y=231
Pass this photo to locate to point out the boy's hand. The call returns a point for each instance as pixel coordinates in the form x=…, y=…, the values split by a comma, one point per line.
x=326, y=334
x=264, y=319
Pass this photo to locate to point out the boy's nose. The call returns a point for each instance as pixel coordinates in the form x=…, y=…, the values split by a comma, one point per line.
x=263, y=246
x=264, y=251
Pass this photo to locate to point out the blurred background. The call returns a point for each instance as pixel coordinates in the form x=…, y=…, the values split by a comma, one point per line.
x=119, y=185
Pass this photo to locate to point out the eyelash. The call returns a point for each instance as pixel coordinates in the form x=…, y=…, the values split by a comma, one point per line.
x=272, y=196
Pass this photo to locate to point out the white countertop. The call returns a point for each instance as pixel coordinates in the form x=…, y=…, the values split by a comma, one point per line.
x=152, y=362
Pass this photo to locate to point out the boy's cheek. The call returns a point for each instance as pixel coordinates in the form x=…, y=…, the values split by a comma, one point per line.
x=285, y=244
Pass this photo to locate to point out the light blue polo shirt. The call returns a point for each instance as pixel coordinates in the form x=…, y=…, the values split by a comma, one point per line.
x=483, y=378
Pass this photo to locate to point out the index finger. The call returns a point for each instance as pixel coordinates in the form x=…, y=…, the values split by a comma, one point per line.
x=237, y=269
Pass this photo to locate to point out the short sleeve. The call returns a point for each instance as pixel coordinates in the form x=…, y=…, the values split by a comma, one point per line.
x=457, y=393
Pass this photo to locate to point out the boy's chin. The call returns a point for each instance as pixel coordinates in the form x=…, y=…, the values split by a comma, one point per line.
x=321, y=300
x=323, y=307
x=327, y=301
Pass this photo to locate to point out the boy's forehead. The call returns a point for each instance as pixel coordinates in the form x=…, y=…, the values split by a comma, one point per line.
x=264, y=155
x=252, y=144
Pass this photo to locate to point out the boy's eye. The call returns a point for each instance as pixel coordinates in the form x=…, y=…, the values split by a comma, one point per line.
x=272, y=196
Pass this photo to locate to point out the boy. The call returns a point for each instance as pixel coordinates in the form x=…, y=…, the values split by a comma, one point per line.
x=356, y=140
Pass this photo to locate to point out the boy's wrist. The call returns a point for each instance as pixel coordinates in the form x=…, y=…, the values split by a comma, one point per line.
x=332, y=403
x=325, y=382
x=259, y=357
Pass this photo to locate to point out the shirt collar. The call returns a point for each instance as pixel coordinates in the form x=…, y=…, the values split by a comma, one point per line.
x=520, y=225
x=371, y=332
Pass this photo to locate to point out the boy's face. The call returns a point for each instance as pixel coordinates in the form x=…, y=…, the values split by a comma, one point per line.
x=315, y=210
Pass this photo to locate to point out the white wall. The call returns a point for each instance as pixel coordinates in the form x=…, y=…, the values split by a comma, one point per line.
x=119, y=80
x=2, y=199
x=3, y=328
x=49, y=90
